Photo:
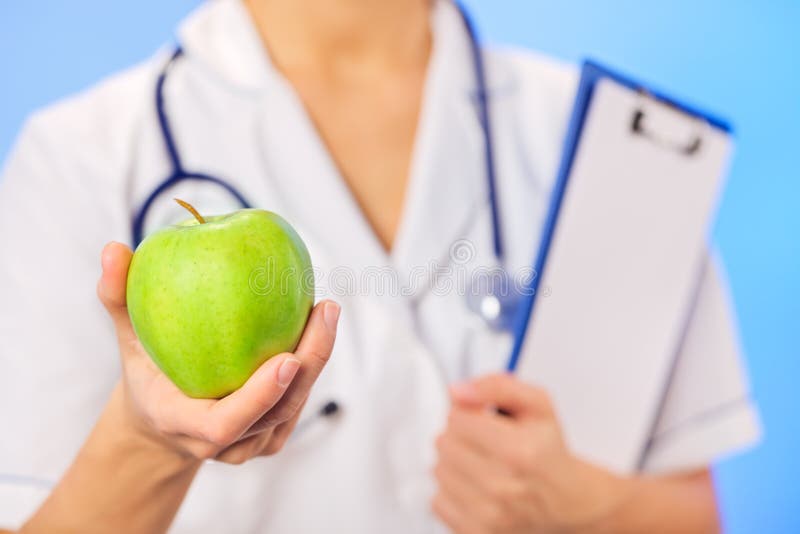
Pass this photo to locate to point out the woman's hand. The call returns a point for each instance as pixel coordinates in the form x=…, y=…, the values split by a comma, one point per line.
x=151, y=438
x=254, y=420
x=513, y=473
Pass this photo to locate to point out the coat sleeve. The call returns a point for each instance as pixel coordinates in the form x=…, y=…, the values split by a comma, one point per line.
x=60, y=201
x=707, y=411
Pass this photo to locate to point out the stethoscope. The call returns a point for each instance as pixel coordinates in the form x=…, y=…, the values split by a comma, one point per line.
x=490, y=300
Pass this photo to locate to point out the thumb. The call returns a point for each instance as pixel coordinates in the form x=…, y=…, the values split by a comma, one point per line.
x=111, y=288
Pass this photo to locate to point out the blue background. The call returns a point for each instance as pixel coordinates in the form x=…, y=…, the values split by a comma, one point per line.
x=740, y=59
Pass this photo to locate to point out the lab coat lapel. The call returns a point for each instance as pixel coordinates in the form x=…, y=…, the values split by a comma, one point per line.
x=446, y=182
x=297, y=176
x=445, y=186
x=310, y=185
x=220, y=36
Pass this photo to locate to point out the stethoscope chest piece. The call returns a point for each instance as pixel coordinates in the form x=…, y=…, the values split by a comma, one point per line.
x=494, y=299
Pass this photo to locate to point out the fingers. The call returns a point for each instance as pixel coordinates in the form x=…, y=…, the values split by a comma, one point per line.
x=282, y=431
x=316, y=345
x=452, y=514
x=263, y=402
x=243, y=450
x=313, y=351
x=111, y=288
x=231, y=416
x=263, y=442
x=263, y=398
x=454, y=454
x=476, y=508
x=483, y=487
x=216, y=425
x=503, y=391
x=280, y=435
x=463, y=472
x=490, y=434
x=271, y=400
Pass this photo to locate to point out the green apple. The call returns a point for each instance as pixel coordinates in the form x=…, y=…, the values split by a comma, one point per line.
x=211, y=299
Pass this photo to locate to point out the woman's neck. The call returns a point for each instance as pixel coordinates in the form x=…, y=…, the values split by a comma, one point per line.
x=343, y=36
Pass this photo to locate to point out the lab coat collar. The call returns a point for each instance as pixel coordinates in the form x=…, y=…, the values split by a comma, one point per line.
x=221, y=36
x=446, y=184
x=447, y=175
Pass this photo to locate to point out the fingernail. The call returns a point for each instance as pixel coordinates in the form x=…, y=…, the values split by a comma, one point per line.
x=287, y=371
x=331, y=315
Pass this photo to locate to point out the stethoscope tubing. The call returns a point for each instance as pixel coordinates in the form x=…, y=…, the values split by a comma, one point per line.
x=484, y=118
x=179, y=174
x=171, y=181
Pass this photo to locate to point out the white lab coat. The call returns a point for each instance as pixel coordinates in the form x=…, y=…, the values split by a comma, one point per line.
x=82, y=166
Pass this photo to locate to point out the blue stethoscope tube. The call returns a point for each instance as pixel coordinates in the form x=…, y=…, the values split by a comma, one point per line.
x=498, y=310
x=484, y=119
x=178, y=173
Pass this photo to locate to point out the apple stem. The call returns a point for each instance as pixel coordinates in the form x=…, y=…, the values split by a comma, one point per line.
x=191, y=210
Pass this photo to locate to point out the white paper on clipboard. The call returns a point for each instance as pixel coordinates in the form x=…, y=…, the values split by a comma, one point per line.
x=622, y=267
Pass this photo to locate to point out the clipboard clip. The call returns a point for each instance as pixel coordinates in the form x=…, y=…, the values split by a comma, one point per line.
x=640, y=127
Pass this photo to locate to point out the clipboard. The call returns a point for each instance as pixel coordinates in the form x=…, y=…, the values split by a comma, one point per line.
x=619, y=263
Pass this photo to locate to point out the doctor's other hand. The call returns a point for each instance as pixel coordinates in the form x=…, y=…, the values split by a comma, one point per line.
x=254, y=420
x=511, y=472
